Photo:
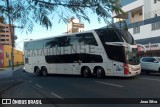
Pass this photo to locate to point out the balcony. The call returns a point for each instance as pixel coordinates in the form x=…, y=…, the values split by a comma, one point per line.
x=140, y=23
x=130, y=7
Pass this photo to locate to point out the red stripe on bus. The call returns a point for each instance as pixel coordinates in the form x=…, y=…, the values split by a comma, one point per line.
x=126, y=69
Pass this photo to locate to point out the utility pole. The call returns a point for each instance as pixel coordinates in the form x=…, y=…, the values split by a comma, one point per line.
x=12, y=35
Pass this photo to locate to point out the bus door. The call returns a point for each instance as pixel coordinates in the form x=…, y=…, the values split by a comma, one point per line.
x=28, y=65
x=116, y=53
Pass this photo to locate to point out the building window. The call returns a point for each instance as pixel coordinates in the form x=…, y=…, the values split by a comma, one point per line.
x=140, y=14
x=7, y=54
x=1, y=51
x=2, y=39
x=1, y=30
x=2, y=27
x=136, y=30
x=26, y=60
x=156, y=26
x=2, y=35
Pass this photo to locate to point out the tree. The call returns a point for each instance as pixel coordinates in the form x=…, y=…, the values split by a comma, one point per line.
x=2, y=19
x=43, y=12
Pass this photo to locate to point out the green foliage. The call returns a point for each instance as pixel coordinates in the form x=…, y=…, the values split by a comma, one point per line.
x=28, y=12
x=1, y=19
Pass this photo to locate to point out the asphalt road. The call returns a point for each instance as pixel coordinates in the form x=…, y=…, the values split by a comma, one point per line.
x=26, y=85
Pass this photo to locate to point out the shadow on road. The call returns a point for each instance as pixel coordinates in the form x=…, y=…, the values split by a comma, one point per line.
x=150, y=74
x=91, y=77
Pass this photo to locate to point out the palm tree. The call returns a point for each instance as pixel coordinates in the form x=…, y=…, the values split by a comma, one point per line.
x=28, y=12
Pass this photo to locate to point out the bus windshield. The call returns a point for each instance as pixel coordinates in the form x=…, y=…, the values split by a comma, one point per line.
x=118, y=51
x=132, y=57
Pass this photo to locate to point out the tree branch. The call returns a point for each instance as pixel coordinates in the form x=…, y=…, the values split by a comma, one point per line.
x=66, y=5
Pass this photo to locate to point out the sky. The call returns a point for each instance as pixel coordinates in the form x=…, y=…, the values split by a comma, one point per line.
x=57, y=29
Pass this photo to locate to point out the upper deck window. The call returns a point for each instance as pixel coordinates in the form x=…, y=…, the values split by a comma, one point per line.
x=108, y=35
x=115, y=35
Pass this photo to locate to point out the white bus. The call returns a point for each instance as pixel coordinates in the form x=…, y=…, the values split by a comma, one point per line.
x=101, y=52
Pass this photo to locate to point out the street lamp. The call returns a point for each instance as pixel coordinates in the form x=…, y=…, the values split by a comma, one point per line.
x=23, y=40
x=16, y=45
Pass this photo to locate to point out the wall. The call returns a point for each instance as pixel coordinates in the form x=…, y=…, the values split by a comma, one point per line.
x=145, y=32
x=18, y=56
x=7, y=55
x=125, y=2
x=154, y=6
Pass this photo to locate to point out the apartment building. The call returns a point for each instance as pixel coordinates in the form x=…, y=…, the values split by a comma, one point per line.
x=5, y=34
x=143, y=20
x=74, y=25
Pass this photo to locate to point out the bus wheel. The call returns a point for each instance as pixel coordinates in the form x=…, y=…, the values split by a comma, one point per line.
x=38, y=71
x=100, y=72
x=86, y=72
x=44, y=71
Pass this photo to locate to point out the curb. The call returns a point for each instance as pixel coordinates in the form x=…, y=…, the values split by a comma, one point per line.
x=11, y=69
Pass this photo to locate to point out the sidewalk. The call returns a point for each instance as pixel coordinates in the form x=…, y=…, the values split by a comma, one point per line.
x=10, y=68
x=7, y=72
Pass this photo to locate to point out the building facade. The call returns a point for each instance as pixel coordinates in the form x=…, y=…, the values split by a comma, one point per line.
x=5, y=56
x=74, y=25
x=5, y=34
x=143, y=20
x=1, y=56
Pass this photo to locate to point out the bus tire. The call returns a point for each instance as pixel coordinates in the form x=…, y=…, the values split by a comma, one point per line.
x=44, y=71
x=100, y=72
x=86, y=72
x=37, y=71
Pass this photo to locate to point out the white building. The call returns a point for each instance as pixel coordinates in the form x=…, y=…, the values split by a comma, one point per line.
x=74, y=25
x=143, y=20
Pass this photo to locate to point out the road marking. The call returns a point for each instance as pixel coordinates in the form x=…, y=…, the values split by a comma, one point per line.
x=56, y=95
x=30, y=81
x=151, y=79
x=38, y=85
x=109, y=84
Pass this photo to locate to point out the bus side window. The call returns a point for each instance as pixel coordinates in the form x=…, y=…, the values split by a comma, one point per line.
x=26, y=61
x=90, y=39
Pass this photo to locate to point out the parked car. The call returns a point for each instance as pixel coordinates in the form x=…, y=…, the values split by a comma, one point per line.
x=150, y=64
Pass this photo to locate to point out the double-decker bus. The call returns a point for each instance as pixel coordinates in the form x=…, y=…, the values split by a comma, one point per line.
x=101, y=52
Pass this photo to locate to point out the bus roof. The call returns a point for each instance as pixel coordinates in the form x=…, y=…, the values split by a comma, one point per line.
x=61, y=35
x=105, y=27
